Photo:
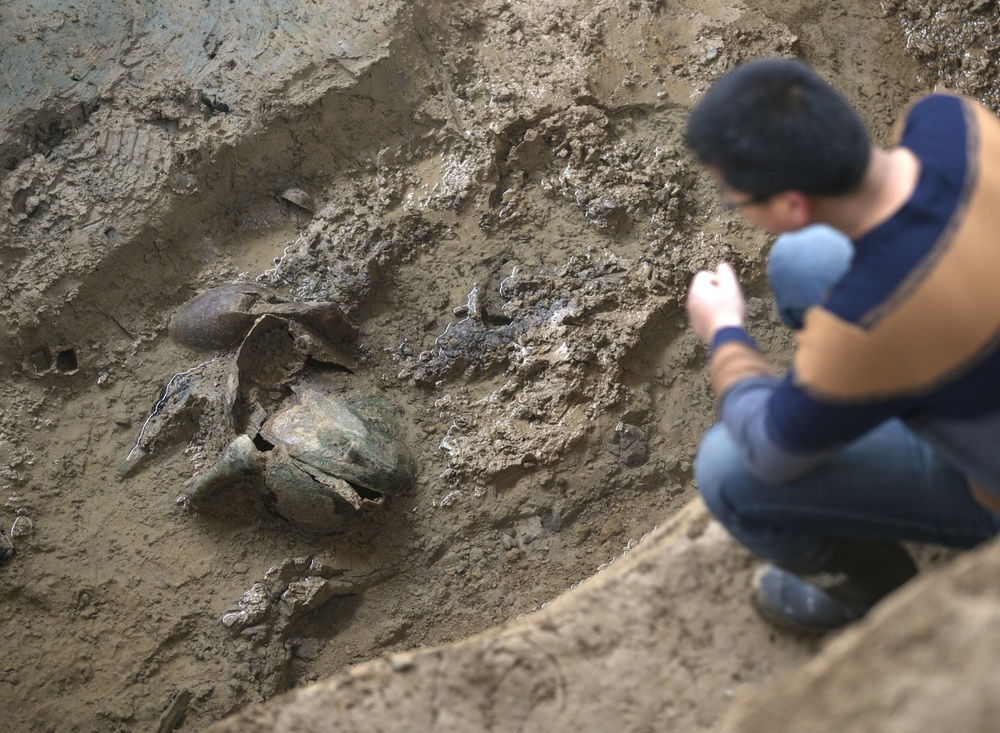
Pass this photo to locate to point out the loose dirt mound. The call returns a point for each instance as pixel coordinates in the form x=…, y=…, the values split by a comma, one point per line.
x=500, y=202
x=634, y=648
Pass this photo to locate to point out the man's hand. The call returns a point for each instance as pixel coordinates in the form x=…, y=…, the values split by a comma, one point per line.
x=715, y=301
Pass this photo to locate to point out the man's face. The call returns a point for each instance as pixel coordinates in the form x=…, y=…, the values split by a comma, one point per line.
x=782, y=212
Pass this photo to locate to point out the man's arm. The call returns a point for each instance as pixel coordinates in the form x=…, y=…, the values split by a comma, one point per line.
x=743, y=380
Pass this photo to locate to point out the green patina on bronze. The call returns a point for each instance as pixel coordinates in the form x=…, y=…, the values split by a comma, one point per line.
x=321, y=459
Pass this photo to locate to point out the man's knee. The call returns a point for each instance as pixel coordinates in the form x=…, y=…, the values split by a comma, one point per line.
x=814, y=252
x=721, y=473
x=802, y=266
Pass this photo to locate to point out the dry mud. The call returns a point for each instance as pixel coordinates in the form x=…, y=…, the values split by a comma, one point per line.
x=501, y=204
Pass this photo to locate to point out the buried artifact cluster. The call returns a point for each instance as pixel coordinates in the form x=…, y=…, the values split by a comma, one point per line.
x=320, y=458
x=322, y=449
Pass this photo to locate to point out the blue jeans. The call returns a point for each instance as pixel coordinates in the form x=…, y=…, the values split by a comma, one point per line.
x=887, y=485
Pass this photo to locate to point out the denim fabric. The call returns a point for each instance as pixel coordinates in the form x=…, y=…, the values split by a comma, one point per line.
x=887, y=485
x=802, y=267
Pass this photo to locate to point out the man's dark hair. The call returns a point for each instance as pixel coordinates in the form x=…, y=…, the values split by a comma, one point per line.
x=773, y=125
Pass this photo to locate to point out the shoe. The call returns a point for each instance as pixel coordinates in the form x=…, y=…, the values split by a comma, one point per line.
x=787, y=601
x=834, y=586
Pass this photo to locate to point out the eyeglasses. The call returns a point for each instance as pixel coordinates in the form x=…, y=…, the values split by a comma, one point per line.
x=731, y=205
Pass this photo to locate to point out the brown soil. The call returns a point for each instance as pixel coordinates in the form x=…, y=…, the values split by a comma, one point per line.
x=503, y=207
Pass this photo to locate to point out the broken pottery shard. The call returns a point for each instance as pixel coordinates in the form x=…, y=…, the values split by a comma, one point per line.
x=324, y=318
x=305, y=595
x=254, y=605
x=219, y=318
x=223, y=316
x=298, y=197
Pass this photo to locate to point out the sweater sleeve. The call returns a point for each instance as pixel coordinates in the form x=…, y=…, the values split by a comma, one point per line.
x=782, y=432
x=744, y=410
x=735, y=357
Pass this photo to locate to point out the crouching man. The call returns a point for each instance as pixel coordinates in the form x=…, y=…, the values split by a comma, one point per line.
x=886, y=428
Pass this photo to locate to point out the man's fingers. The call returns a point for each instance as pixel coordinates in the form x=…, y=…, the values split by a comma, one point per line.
x=722, y=278
x=700, y=280
x=726, y=273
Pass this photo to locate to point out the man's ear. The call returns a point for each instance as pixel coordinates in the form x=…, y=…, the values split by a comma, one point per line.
x=796, y=208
